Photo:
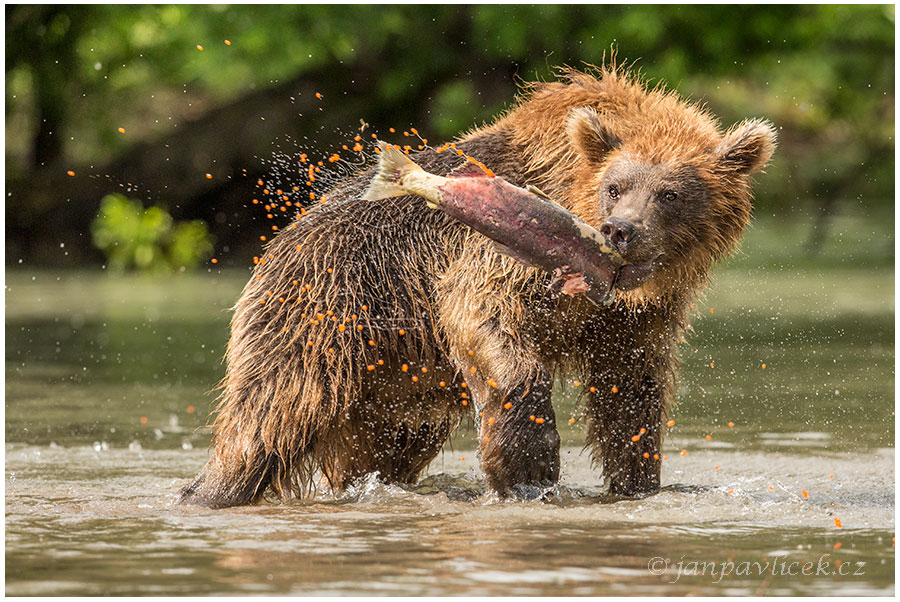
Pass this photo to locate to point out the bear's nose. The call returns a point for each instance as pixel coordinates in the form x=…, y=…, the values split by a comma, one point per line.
x=619, y=232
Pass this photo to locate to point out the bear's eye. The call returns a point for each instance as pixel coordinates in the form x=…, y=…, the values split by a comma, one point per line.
x=670, y=196
x=613, y=192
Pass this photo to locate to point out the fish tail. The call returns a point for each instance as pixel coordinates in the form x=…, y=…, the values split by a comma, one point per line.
x=393, y=165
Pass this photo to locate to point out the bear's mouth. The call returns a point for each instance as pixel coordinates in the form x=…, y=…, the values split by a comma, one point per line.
x=632, y=275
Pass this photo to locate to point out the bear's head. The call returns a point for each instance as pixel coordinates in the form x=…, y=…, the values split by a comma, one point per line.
x=668, y=189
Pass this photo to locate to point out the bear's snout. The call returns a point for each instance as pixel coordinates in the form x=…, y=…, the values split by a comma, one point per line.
x=619, y=232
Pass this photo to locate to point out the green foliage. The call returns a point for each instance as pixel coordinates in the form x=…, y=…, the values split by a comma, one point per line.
x=824, y=74
x=147, y=239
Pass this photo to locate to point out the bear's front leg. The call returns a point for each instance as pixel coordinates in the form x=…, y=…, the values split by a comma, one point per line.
x=519, y=443
x=625, y=431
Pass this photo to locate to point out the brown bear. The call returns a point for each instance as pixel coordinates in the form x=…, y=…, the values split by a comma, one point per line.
x=369, y=329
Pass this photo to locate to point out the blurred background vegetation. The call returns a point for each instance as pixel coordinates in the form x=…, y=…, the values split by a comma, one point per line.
x=152, y=103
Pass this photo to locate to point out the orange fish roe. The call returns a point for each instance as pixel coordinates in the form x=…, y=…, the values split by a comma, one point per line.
x=121, y=130
x=507, y=405
x=381, y=362
x=442, y=384
x=593, y=389
x=199, y=47
x=837, y=546
x=401, y=332
x=70, y=173
x=615, y=389
x=492, y=383
x=670, y=423
x=404, y=368
x=571, y=420
x=805, y=494
x=531, y=417
x=636, y=438
x=319, y=95
x=424, y=370
x=709, y=437
x=370, y=367
x=143, y=420
x=763, y=366
x=646, y=454
x=214, y=260
x=478, y=163
x=415, y=379
x=643, y=431
x=731, y=425
x=464, y=402
x=575, y=383
x=837, y=523
x=190, y=409
x=228, y=42
x=684, y=452
x=539, y=420
x=490, y=421
x=656, y=456
x=715, y=468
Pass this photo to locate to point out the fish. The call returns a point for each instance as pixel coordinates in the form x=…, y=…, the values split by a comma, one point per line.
x=524, y=223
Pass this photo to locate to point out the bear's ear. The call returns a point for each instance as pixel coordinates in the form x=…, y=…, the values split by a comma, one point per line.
x=592, y=139
x=747, y=147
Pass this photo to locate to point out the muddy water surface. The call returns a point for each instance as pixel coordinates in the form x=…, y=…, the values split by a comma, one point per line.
x=106, y=386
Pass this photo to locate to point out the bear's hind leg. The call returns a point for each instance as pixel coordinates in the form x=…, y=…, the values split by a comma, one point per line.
x=252, y=452
x=221, y=484
x=396, y=445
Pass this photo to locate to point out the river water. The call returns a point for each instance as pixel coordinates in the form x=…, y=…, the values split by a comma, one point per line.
x=107, y=384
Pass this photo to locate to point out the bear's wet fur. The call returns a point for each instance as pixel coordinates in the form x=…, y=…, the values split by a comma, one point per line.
x=370, y=329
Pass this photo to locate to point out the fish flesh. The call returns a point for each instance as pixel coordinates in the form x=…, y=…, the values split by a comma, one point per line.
x=524, y=223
